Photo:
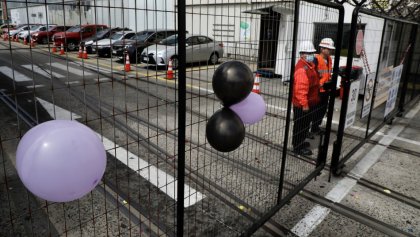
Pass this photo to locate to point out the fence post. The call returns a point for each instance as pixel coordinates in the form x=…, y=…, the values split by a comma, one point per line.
x=182, y=87
x=407, y=69
x=322, y=155
x=289, y=101
x=346, y=86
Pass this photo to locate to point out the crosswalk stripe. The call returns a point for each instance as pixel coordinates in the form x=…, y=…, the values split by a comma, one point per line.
x=71, y=70
x=35, y=86
x=44, y=72
x=13, y=74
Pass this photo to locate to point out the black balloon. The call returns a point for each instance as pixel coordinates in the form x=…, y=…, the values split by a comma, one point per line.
x=225, y=131
x=232, y=82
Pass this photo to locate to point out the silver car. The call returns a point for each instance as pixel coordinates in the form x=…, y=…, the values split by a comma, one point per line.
x=199, y=48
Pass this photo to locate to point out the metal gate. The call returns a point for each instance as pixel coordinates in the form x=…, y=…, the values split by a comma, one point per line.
x=385, y=48
x=112, y=71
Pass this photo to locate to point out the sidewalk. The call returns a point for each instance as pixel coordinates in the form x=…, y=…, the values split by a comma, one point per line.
x=378, y=193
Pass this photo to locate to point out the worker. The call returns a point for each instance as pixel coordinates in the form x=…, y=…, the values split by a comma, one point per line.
x=324, y=68
x=305, y=97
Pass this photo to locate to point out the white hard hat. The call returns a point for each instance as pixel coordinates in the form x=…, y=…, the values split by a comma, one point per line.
x=307, y=47
x=327, y=43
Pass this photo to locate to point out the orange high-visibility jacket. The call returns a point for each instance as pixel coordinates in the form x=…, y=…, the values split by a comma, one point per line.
x=306, y=85
x=324, y=70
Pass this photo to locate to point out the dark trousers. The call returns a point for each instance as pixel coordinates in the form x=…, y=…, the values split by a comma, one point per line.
x=319, y=111
x=301, y=123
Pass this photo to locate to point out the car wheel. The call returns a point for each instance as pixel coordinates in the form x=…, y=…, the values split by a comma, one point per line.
x=44, y=41
x=71, y=46
x=214, y=59
x=174, y=62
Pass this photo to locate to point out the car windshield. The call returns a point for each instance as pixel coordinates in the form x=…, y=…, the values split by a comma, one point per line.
x=171, y=40
x=101, y=33
x=74, y=29
x=117, y=36
x=35, y=27
x=142, y=36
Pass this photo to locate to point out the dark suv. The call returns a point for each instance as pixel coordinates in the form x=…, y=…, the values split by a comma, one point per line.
x=134, y=46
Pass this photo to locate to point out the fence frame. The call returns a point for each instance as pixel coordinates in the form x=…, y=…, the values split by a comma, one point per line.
x=338, y=164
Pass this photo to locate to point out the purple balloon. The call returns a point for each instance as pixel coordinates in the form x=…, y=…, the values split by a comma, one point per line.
x=60, y=160
x=251, y=110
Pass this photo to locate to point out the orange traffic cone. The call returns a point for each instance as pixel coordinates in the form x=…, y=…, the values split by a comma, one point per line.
x=170, y=72
x=62, y=49
x=54, y=48
x=25, y=42
x=17, y=38
x=256, y=88
x=80, y=55
x=32, y=43
x=85, y=55
x=5, y=36
x=127, y=66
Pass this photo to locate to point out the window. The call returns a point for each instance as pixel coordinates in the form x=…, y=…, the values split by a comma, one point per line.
x=193, y=41
x=204, y=40
x=329, y=30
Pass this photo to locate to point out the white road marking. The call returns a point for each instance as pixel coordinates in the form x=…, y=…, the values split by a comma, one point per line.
x=165, y=182
x=317, y=214
x=276, y=107
x=44, y=72
x=102, y=79
x=57, y=112
x=71, y=69
x=35, y=86
x=17, y=76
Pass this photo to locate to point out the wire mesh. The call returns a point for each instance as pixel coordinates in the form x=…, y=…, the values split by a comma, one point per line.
x=386, y=44
x=82, y=75
x=116, y=70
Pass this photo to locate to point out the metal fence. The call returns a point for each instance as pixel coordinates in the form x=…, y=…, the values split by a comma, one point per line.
x=152, y=119
x=389, y=46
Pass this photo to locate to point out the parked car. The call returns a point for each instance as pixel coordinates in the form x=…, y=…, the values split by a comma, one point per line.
x=103, y=34
x=43, y=37
x=6, y=27
x=13, y=33
x=72, y=37
x=103, y=47
x=198, y=48
x=36, y=28
x=135, y=46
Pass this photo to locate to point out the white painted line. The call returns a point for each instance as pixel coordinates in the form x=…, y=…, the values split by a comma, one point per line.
x=18, y=77
x=57, y=112
x=102, y=79
x=43, y=72
x=276, y=107
x=71, y=70
x=72, y=82
x=317, y=214
x=311, y=220
x=35, y=86
x=165, y=182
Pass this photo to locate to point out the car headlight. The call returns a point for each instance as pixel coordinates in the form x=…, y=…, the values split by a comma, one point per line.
x=36, y=35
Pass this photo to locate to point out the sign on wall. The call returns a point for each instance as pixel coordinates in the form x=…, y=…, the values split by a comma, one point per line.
x=367, y=100
x=352, y=103
x=245, y=31
x=393, y=90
